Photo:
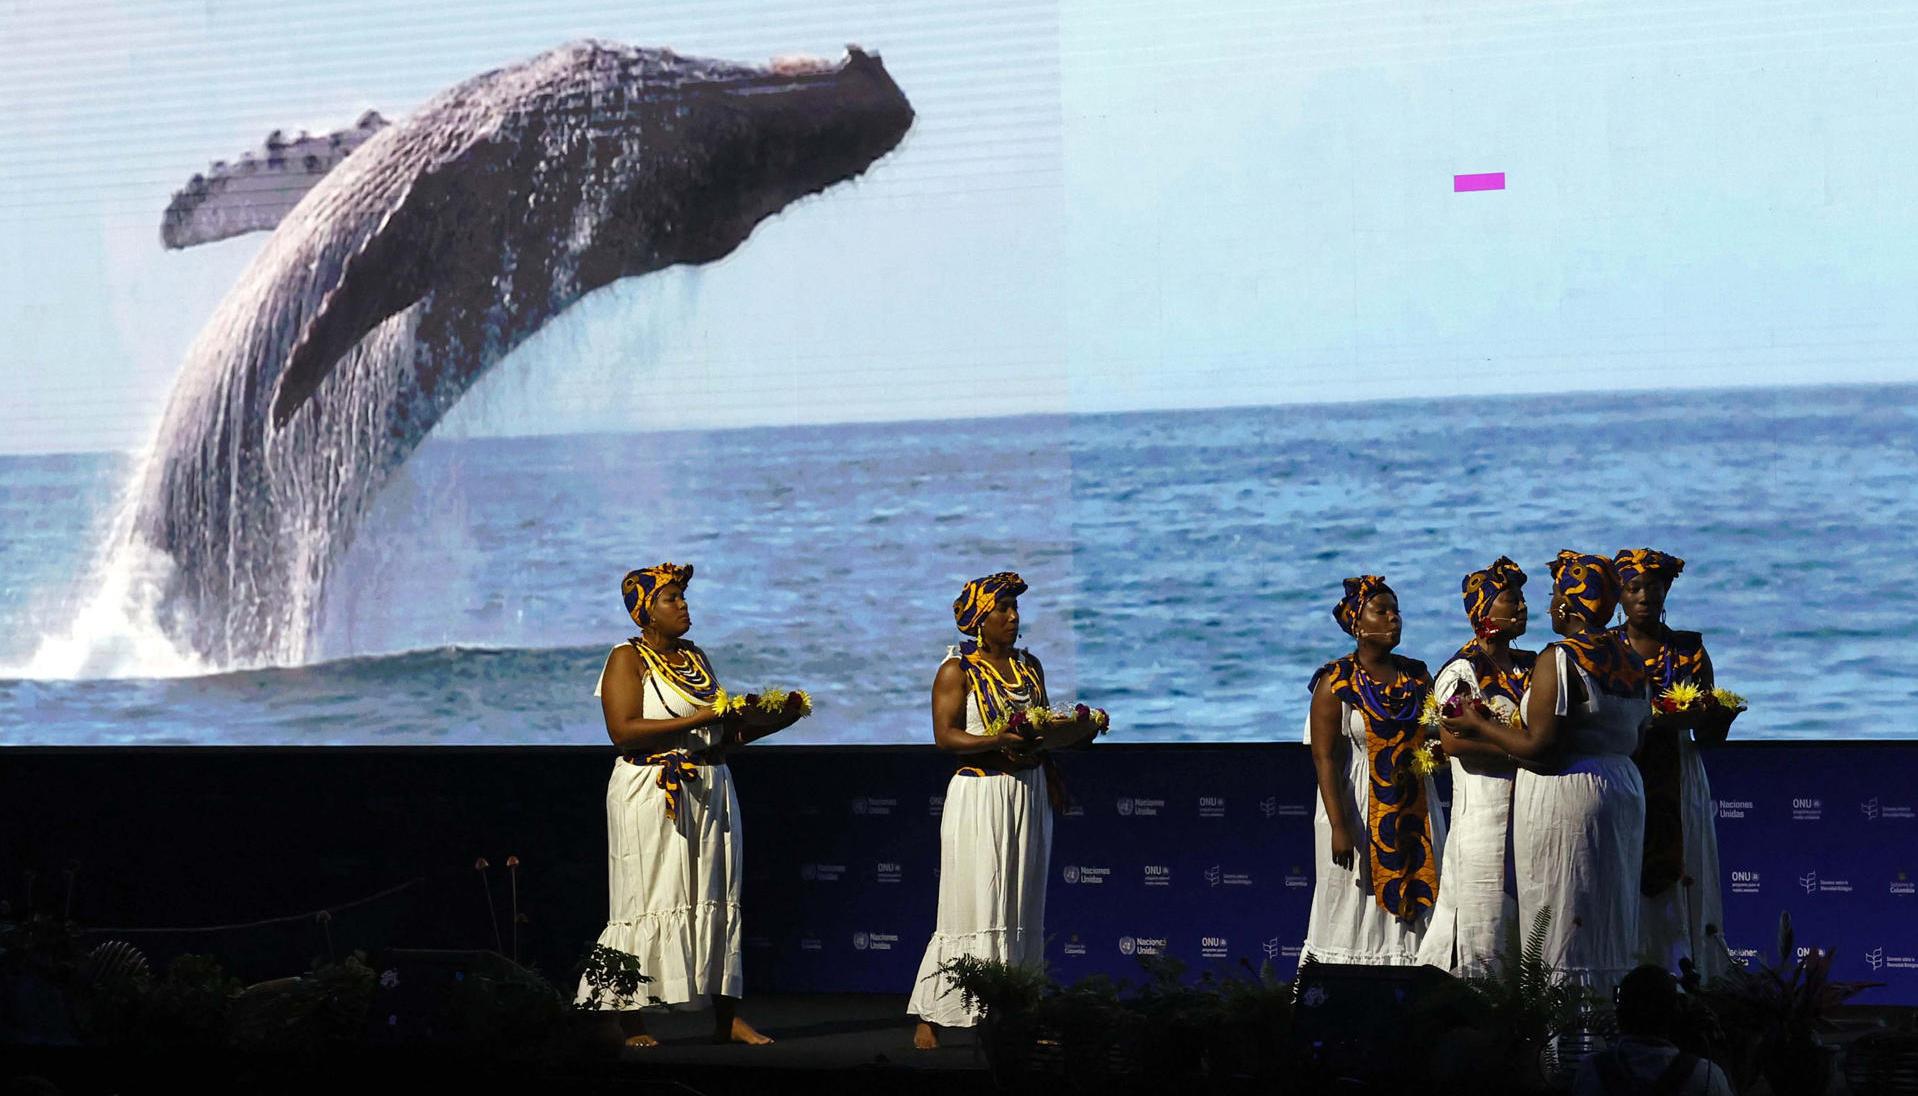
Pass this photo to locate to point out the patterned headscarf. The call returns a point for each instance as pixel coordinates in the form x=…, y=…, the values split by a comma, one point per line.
x=1358, y=591
x=1589, y=583
x=1481, y=588
x=1630, y=563
x=981, y=596
x=641, y=586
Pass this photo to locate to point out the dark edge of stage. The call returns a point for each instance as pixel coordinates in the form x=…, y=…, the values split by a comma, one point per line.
x=165, y=841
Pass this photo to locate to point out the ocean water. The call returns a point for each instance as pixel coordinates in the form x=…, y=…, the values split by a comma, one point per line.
x=1183, y=564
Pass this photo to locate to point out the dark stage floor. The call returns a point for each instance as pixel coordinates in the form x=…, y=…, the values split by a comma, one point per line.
x=811, y=1032
x=842, y=1043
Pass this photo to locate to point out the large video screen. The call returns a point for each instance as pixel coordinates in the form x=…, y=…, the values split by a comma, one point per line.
x=355, y=352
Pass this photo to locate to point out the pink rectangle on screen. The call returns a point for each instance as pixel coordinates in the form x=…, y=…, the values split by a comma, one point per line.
x=1490, y=180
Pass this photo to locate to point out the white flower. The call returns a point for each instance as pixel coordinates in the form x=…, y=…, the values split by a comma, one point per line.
x=389, y=978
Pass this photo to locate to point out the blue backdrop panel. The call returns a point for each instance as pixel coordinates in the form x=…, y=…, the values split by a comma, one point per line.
x=1205, y=853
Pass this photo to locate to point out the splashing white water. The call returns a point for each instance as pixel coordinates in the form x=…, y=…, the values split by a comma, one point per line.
x=116, y=632
x=114, y=629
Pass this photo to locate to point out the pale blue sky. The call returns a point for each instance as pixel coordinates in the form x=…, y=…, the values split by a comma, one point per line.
x=1103, y=206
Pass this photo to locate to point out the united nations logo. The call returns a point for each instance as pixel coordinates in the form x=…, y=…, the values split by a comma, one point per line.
x=808, y=872
x=1127, y=945
x=1125, y=805
x=859, y=805
x=859, y=941
x=1072, y=873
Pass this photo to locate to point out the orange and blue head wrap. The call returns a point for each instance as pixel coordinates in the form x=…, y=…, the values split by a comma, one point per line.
x=981, y=596
x=1481, y=588
x=1630, y=563
x=1358, y=591
x=641, y=586
x=1588, y=583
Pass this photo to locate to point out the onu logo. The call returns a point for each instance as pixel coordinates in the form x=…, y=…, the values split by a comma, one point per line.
x=1869, y=808
x=1809, y=881
x=1125, y=805
x=1072, y=873
x=1127, y=945
x=1269, y=806
x=1876, y=957
x=860, y=941
x=1212, y=875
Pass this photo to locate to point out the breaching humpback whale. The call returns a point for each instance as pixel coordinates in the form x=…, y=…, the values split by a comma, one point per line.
x=421, y=259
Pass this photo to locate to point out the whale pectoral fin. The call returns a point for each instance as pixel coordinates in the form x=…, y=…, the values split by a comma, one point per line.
x=439, y=222
x=253, y=193
x=386, y=276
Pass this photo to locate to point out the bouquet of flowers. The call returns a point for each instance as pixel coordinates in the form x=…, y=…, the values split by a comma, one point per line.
x=1499, y=710
x=1039, y=718
x=766, y=703
x=1688, y=696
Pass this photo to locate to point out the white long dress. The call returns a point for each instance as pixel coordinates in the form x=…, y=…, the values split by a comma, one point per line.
x=674, y=886
x=1688, y=919
x=1474, y=911
x=995, y=848
x=1578, y=834
x=1347, y=924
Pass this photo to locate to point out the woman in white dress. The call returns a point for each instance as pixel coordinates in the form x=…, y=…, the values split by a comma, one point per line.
x=1378, y=828
x=1578, y=806
x=995, y=832
x=672, y=819
x=1683, y=908
x=1475, y=911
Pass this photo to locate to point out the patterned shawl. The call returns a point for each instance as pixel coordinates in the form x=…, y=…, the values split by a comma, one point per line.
x=1680, y=657
x=1404, y=871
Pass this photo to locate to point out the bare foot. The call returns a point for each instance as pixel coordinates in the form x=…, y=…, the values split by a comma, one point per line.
x=924, y=1038
x=742, y=1032
x=641, y=1040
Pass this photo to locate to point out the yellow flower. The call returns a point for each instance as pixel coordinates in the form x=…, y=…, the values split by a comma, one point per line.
x=805, y=701
x=1729, y=699
x=772, y=700
x=1426, y=759
x=1683, y=694
x=1429, y=714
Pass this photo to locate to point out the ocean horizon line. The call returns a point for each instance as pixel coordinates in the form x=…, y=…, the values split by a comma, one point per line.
x=1384, y=402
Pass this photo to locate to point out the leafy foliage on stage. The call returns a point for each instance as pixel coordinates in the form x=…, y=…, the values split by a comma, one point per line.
x=1776, y=1019
x=1098, y=1033
x=58, y=988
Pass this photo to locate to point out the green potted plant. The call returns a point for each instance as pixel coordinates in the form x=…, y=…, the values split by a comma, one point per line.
x=1176, y=1020
x=1005, y=997
x=1255, y=1023
x=1084, y=1034
x=1781, y=1009
x=1511, y=1015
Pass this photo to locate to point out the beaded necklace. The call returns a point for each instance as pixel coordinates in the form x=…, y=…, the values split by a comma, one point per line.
x=692, y=679
x=996, y=695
